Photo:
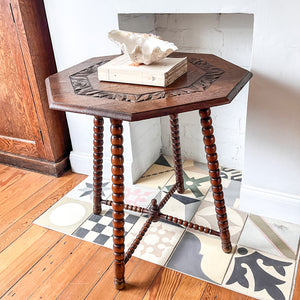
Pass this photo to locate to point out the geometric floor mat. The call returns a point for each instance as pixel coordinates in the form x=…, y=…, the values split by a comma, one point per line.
x=265, y=251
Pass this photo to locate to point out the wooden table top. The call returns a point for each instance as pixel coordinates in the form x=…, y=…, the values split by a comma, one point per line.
x=210, y=81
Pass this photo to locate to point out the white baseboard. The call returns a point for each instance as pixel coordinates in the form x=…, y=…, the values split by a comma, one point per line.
x=83, y=164
x=272, y=204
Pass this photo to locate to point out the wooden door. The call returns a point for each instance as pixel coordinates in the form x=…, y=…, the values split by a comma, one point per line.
x=19, y=126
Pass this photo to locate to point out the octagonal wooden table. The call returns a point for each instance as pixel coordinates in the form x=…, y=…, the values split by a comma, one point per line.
x=210, y=81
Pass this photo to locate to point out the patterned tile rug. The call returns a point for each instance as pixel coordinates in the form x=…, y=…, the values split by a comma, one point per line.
x=261, y=265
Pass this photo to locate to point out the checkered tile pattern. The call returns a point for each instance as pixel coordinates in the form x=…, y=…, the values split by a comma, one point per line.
x=99, y=228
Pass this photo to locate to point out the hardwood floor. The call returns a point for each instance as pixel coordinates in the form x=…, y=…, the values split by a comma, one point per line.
x=38, y=263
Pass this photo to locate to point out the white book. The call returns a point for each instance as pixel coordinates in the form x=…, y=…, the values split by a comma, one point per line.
x=161, y=73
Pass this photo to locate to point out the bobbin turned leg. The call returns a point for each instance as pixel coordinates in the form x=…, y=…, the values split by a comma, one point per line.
x=215, y=179
x=117, y=170
x=98, y=164
x=176, y=152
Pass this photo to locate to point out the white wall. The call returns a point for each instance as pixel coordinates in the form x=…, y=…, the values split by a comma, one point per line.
x=271, y=164
x=272, y=157
x=77, y=35
x=146, y=134
x=79, y=31
x=228, y=36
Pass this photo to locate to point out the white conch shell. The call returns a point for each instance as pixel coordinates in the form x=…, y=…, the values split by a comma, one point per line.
x=142, y=47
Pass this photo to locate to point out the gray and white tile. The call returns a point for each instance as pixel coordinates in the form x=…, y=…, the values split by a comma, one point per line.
x=196, y=184
x=231, y=191
x=158, y=242
x=99, y=228
x=260, y=275
x=65, y=215
x=201, y=256
x=272, y=236
x=84, y=190
x=181, y=206
x=206, y=216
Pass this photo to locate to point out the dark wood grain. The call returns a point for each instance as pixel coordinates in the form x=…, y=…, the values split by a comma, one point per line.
x=117, y=178
x=40, y=165
x=128, y=206
x=187, y=93
x=188, y=224
x=215, y=179
x=174, y=124
x=29, y=130
x=35, y=42
x=98, y=164
x=18, y=120
x=200, y=77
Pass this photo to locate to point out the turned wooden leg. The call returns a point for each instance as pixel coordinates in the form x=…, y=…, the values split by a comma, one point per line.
x=176, y=151
x=117, y=170
x=215, y=179
x=98, y=164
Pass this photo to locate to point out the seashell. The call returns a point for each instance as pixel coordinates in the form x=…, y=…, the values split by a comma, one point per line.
x=142, y=48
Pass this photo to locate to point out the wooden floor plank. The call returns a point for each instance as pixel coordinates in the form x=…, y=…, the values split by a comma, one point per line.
x=105, y=289
x=80, y=286
x=23, y=262
x=32, y=201
x=165, y=285
x=4, y=168
x=20, y=245
x=9, y=176
x=189, y=288
x=22, y=224
x=10, y=198
x=139, y=281
x=43, y=269
x=216, y=292
x=66, y=271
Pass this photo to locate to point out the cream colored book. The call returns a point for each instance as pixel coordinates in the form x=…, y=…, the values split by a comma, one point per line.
x=161, y=73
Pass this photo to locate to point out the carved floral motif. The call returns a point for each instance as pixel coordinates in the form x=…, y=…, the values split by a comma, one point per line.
x=82, y=85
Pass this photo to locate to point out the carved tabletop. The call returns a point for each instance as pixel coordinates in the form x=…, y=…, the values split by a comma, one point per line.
x=210, y=81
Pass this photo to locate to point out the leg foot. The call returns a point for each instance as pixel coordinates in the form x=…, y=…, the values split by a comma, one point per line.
x=119, y=285
x=117, y=170
x=215, y=179
x=98, y=164
x=176, y=151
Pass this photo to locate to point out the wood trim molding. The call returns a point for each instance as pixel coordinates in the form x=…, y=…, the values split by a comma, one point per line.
x=43, y=166
x=259, y=201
